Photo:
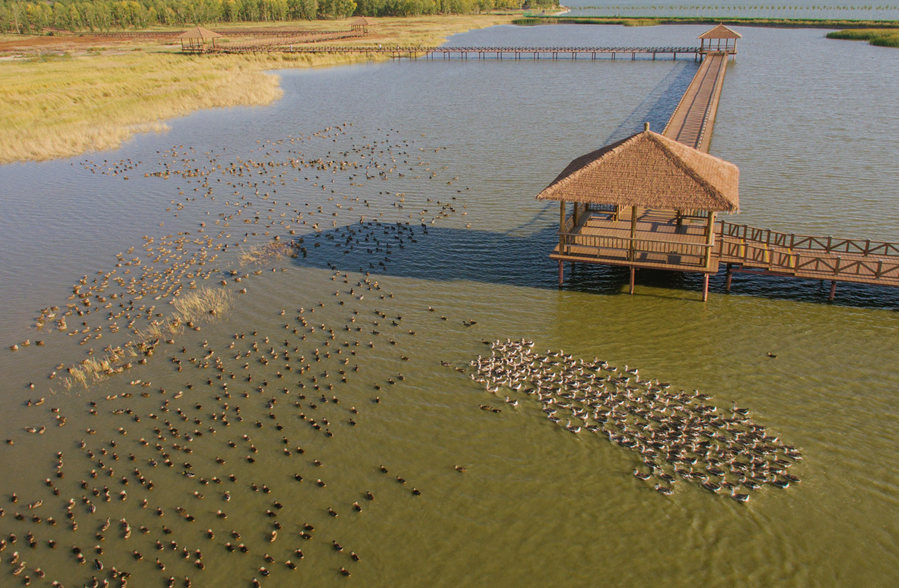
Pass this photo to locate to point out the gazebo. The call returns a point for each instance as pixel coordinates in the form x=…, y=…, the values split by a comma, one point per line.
x=196, y=38
x=359, y=25
x=646, y=201
x=715, y=37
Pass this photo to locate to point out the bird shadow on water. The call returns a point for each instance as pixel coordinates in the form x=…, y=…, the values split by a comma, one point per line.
x=447, y=254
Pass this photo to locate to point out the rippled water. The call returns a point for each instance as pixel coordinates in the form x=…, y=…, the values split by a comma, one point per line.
x=855, y=9
x=474, y=143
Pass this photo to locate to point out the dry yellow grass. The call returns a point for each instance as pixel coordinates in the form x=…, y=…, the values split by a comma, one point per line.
x=203, y=304
x=267, y=252
x=64, y=105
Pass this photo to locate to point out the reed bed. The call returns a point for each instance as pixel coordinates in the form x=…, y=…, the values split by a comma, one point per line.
x=877, y=37
x=64, y=105
x=201, y=305
x=267, y=252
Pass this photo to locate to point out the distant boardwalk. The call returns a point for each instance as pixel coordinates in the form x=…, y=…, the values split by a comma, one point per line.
x=465, y=53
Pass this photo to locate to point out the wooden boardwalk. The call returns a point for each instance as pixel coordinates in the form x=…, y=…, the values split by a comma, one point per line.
x=466, y=53
x=668, y=240
x=694, y=117
x=753, y=250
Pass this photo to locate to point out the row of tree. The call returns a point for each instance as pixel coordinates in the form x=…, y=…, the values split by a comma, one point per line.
x=103, y=15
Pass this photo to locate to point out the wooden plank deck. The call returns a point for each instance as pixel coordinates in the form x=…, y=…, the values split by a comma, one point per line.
x=694, y=117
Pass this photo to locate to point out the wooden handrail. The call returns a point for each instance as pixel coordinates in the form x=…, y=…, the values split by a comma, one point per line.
x=808, y=242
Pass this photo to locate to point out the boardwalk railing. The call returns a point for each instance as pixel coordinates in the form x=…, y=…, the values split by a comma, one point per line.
x=851, y=260
x=794, y=241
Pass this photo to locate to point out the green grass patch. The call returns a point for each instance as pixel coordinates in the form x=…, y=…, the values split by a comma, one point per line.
x=878, y=37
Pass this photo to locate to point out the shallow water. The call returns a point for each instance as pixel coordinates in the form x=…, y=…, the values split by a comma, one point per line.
x=474, y=143
x=856, y=9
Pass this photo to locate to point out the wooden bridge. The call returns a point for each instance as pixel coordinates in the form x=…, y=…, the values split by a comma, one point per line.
x=646, y=203
x=466, y=53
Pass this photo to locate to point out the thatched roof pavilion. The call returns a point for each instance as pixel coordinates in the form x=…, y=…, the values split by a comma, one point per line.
x=196, y=38
x=649, y=170
x=718, y=34
x=360, y=25
x=637, y=203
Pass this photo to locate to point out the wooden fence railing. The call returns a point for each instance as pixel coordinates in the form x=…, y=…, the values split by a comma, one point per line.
x=651, y=251
x=794, y=241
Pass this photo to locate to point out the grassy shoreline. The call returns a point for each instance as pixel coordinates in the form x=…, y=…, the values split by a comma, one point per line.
x=91, y=98
x=71, y=97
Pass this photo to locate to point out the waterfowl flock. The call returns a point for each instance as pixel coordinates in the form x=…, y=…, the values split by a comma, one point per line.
x=230, y=454
x=677, y=435
x=186, y=452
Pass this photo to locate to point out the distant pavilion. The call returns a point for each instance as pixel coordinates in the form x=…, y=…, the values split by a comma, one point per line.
x=643, y=202
x=360, y=25
x=195, y=39
x=719, y=39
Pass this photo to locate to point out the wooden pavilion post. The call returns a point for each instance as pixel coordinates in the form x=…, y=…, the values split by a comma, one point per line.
x=632, y=254
x=710, y=239
x=561, y=240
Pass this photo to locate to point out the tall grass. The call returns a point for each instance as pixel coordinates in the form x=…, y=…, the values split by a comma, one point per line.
x=62, y=106
x=878, y=37
x=203, y=304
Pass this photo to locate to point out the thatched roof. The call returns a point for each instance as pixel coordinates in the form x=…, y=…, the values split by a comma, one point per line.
x=720, y=32
x=651, y=171
x=200, y=33
x=360, y=21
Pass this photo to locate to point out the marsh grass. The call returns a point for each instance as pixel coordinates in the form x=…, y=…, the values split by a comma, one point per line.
x=60, y=106
x=878, y=37
x=267, y=252
x=201, y=305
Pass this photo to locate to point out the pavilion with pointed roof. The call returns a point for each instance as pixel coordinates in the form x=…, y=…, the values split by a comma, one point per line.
x=646, y=201
x=360, y=25
x=719, y=39
x=195, y=39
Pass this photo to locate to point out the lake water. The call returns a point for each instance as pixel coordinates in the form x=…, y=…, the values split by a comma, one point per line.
x=412, y=185
x=854, y=9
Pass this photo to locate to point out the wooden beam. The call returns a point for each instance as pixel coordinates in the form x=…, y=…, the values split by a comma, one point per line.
x=633, y=276
x=561, y=272
x=833, y=290
x=705, y=287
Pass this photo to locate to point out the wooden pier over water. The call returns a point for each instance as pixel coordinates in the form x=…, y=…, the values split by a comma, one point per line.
x=473, y=53
x=650, y=201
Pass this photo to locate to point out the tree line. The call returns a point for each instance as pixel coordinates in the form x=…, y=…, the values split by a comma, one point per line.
x=102, y=15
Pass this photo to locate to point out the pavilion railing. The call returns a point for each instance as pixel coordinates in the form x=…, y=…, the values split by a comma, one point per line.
x=637, y=250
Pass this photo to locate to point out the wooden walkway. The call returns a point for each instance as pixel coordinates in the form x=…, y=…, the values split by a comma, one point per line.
x=694, y=117
x=466, y=53
x=662, y=241
x=753, y=250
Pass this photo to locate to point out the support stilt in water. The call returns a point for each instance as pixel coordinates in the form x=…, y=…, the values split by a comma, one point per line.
x=833, y=290
x=705, y=287
x=633, y=275
x=561, y=272
x=730, y=275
